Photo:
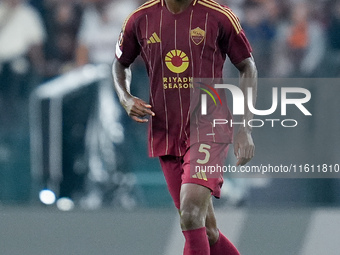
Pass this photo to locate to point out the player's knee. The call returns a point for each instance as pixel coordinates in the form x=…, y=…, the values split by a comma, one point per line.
x=192, y=218
x=211, y=227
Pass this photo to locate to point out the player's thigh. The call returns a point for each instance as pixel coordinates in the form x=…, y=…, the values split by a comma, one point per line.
x=194, y=202
x=195, y=195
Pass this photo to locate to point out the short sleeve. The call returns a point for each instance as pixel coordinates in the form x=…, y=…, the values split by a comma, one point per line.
x=233, y=41
x=128, y=47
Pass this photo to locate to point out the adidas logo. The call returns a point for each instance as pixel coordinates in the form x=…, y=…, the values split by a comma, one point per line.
x=200, y=175
x=154, y=39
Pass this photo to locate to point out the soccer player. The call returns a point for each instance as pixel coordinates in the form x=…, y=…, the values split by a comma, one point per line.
x=180, y=40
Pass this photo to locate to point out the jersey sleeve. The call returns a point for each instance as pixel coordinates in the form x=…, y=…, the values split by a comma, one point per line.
x=128, y=47
x=233, y=41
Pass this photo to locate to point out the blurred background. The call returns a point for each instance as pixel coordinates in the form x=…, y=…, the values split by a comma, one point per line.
x=67, y=145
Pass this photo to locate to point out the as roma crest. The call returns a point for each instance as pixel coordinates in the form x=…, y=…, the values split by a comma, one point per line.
x=197, y=35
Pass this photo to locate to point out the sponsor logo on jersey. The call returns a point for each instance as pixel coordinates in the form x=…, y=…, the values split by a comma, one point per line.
x=177, y=61
x=178, y=82
x=154, y=38
x=197, y=35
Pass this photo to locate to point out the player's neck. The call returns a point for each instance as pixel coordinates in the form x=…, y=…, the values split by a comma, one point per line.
x=177, y=6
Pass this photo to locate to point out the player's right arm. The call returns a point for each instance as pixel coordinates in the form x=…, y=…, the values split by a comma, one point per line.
x=127, y=49
x=135, y=107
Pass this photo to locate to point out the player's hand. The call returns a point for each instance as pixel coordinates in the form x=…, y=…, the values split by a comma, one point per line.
x=137, y=109
x=244, y=148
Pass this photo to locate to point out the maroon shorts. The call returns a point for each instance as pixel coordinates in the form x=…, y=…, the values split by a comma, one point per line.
x=199, y=165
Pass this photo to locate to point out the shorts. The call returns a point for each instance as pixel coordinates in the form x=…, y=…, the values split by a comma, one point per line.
x=193, y=167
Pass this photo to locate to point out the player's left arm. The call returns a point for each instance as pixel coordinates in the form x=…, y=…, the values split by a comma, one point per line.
x=244, y=147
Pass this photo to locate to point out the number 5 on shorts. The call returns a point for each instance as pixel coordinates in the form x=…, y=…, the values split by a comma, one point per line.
x=204, y=149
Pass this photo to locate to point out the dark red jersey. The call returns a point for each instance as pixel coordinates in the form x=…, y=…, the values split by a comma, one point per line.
x=178, y=48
